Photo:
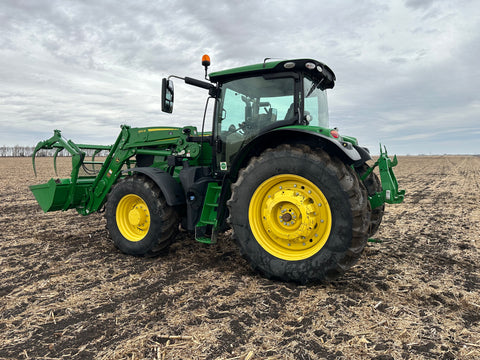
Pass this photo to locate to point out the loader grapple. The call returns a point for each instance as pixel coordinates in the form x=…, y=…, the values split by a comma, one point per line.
x=73, y=193
x=61, y=194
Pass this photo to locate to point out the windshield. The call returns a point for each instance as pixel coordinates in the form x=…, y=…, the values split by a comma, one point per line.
x=249, y=105
x=315, y=104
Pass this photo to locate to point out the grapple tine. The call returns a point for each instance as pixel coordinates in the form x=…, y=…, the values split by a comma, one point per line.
x=39, y=147
x=55, y=159
x=33, y=162
x=48, y=144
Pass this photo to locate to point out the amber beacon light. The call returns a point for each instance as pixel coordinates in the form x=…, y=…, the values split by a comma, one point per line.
x=206, y=63
x=206, y=60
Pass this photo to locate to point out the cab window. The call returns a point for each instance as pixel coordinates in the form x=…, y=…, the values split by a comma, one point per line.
x=248, y=105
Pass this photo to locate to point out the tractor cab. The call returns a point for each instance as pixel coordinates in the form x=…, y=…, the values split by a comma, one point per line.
x=253, y=100
x=257, y=103
x=273, y=94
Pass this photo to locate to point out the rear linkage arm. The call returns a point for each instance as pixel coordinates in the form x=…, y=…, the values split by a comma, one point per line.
x=390, y=193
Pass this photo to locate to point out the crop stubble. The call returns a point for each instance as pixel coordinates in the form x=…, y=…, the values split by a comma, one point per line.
x=66, y=292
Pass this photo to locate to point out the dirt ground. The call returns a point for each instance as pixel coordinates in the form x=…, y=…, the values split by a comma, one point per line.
x=67, y=293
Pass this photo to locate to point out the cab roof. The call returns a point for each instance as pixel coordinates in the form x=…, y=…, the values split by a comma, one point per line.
x=314, y=68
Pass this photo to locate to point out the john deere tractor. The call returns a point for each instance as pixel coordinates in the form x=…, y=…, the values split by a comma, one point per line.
x=299, y=196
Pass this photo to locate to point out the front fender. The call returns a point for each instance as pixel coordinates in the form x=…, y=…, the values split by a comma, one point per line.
x=173, y=191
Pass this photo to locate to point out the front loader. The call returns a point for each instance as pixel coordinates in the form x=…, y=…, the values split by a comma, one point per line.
x=299, y=196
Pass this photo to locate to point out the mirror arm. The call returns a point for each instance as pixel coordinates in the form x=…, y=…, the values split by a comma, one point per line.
x=175, y=76
x=199, y=83
x=194, y=82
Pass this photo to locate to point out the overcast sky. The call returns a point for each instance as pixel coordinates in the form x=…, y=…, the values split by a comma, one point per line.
x=407, y=70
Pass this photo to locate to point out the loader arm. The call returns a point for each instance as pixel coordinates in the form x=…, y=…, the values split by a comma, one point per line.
x=88, y=193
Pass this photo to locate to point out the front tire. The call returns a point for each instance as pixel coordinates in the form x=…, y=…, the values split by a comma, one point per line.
x=299, y=215
x=139, y=220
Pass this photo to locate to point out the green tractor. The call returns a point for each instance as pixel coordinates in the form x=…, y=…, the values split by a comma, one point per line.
x=299, y=197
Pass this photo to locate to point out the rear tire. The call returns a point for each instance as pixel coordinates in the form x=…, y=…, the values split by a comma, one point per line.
x=299, y=215
x=139, y=220
x=373, y=185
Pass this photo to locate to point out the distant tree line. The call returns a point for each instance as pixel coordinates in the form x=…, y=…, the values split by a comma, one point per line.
x=25, y=151
x=17, y=151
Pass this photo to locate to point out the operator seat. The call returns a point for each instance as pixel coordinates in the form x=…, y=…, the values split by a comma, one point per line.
x=290, y=113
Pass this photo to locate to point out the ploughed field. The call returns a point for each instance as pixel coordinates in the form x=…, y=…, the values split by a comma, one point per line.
x=67, y=293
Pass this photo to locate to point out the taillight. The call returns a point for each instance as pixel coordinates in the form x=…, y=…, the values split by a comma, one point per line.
x=334, y=133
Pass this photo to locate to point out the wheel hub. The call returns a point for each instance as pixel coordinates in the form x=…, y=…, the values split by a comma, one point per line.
x=133, y=217
x=137, y=216
x=290, y=217
x=287, y=217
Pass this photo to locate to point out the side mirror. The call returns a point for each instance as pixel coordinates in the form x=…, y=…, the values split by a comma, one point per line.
x=167, y=95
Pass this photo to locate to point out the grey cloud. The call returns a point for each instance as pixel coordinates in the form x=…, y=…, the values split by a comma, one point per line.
x=419, y=4
x=402, y=67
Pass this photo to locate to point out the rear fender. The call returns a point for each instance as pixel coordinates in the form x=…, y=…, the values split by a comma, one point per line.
x=345, y=151
x=173, y=191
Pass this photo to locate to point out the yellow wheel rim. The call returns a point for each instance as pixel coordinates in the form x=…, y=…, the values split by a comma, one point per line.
x=133, y=217
x=290, y=217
